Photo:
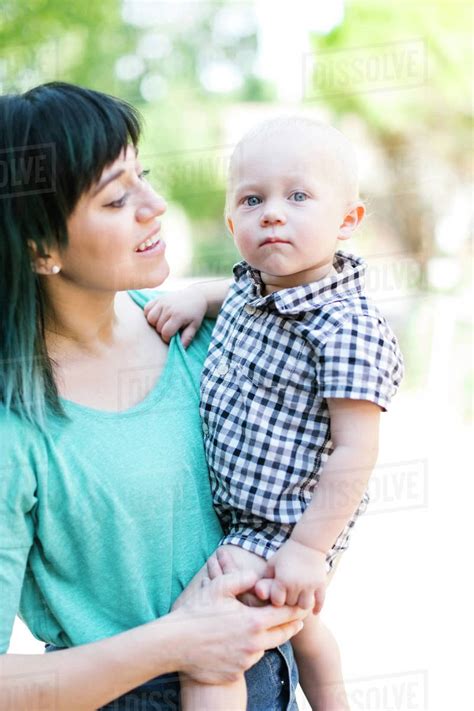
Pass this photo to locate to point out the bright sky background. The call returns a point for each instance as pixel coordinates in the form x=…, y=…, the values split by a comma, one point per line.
x=284, y=31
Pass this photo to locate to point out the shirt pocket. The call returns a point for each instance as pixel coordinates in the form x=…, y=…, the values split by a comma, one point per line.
x=277, y=368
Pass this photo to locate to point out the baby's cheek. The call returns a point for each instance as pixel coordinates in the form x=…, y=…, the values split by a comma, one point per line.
x=246, y=244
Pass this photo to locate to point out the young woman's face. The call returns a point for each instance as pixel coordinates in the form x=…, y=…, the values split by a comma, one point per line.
x=114, y=232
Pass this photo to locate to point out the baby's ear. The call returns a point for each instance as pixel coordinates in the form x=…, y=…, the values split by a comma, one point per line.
x=352, y=219
x=230, y=225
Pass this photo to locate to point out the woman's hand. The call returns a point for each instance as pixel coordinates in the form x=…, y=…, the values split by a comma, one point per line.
x=223, y=637
x=182, y=310
x=230, y=559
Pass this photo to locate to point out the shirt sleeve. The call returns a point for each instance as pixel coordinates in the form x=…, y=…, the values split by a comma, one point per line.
x=17, y=502
x=361, y=360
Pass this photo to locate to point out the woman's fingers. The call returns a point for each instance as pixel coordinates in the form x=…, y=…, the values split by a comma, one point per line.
x=214, y=568
x=226, y=560
x=279, y=635
x=234, y=584
x=271, y=616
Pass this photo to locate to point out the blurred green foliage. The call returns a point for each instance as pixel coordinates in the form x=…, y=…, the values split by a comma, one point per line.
x=155, y=55
x=163, y=49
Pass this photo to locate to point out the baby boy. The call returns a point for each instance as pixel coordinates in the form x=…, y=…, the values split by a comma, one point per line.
x=300, y=366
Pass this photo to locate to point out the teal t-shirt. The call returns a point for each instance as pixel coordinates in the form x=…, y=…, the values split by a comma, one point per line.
x=104, y=520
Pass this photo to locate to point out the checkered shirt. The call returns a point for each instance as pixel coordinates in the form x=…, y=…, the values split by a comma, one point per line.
x=272, y=363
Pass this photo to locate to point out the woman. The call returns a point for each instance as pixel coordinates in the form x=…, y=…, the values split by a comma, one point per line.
x=105, y=502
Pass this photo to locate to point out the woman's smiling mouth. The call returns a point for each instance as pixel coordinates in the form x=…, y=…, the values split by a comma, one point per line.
x=152, y=242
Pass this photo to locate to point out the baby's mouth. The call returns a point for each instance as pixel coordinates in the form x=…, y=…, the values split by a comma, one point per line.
x=274, y=240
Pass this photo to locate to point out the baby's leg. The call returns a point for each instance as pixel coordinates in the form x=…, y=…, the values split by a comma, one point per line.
x=319, y=666
x=204, y=697
x=226, y=697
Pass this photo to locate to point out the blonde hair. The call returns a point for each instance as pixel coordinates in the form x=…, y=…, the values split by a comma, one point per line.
x=333, y=141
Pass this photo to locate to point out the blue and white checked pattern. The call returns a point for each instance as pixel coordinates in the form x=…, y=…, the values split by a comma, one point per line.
x=272, y=363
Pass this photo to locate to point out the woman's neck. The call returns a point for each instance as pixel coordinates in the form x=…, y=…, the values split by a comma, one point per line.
x=77, y=318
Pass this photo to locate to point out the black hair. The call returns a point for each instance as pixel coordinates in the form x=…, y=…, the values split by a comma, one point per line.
x=55, y=141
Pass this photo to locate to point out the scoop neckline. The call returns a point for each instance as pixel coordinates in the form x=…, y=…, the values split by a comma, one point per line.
x=150, y=399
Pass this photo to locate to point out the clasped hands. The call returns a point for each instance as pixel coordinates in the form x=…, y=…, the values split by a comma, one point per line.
x=294, y=575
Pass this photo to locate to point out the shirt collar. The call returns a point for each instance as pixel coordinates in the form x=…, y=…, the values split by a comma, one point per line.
x=348, y=281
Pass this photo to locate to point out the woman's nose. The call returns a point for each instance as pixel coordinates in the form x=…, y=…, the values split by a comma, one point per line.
x=153, y=206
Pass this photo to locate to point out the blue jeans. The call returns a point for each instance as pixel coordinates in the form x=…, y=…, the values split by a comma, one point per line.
x=271, y=686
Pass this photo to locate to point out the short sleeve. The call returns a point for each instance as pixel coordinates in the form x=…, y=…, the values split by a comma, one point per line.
x=17, y=502
x=361, y=360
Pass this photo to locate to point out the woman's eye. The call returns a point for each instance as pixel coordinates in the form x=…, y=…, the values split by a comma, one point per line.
x=298, y=196
x=121, y=202
x=252, y=200
x=118, y=203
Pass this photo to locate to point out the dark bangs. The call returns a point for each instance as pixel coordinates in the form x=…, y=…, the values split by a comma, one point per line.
x=86, y=131
x=55, y=141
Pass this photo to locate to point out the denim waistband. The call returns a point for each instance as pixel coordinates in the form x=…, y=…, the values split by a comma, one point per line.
x=271, y=686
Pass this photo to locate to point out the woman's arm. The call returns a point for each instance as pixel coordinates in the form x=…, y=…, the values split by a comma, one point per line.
x=194, y=639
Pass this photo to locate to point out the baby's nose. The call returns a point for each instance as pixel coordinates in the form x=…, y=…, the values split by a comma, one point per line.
x=273, y=214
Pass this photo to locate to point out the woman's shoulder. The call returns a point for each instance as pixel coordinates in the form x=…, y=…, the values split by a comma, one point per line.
x=22, y=451
x=200, y=343
x=143, y=296
x=18, y=435
x=13, y=427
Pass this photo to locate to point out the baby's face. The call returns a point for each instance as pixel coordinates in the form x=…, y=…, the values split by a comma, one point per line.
x=286, y=203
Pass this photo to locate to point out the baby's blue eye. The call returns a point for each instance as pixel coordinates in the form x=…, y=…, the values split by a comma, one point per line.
x=252, y=200
x=299, y=196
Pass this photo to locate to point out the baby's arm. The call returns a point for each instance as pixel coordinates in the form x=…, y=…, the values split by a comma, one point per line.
x=185, y=309
x=298, y=568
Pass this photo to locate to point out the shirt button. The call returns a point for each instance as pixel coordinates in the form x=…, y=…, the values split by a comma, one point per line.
x=205, y=428
x=222, y=368
x=250, y=309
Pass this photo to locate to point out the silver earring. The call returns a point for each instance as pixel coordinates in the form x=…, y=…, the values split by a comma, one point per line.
x=55, y=269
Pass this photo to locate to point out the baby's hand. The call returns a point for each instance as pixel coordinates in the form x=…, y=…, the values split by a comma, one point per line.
x=295, y=575
x=180, y=310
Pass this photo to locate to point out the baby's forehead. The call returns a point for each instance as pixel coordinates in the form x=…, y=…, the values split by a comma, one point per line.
x=297, y=147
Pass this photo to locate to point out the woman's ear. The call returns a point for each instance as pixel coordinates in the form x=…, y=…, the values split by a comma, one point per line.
x=352, y=219
x=44, y=264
